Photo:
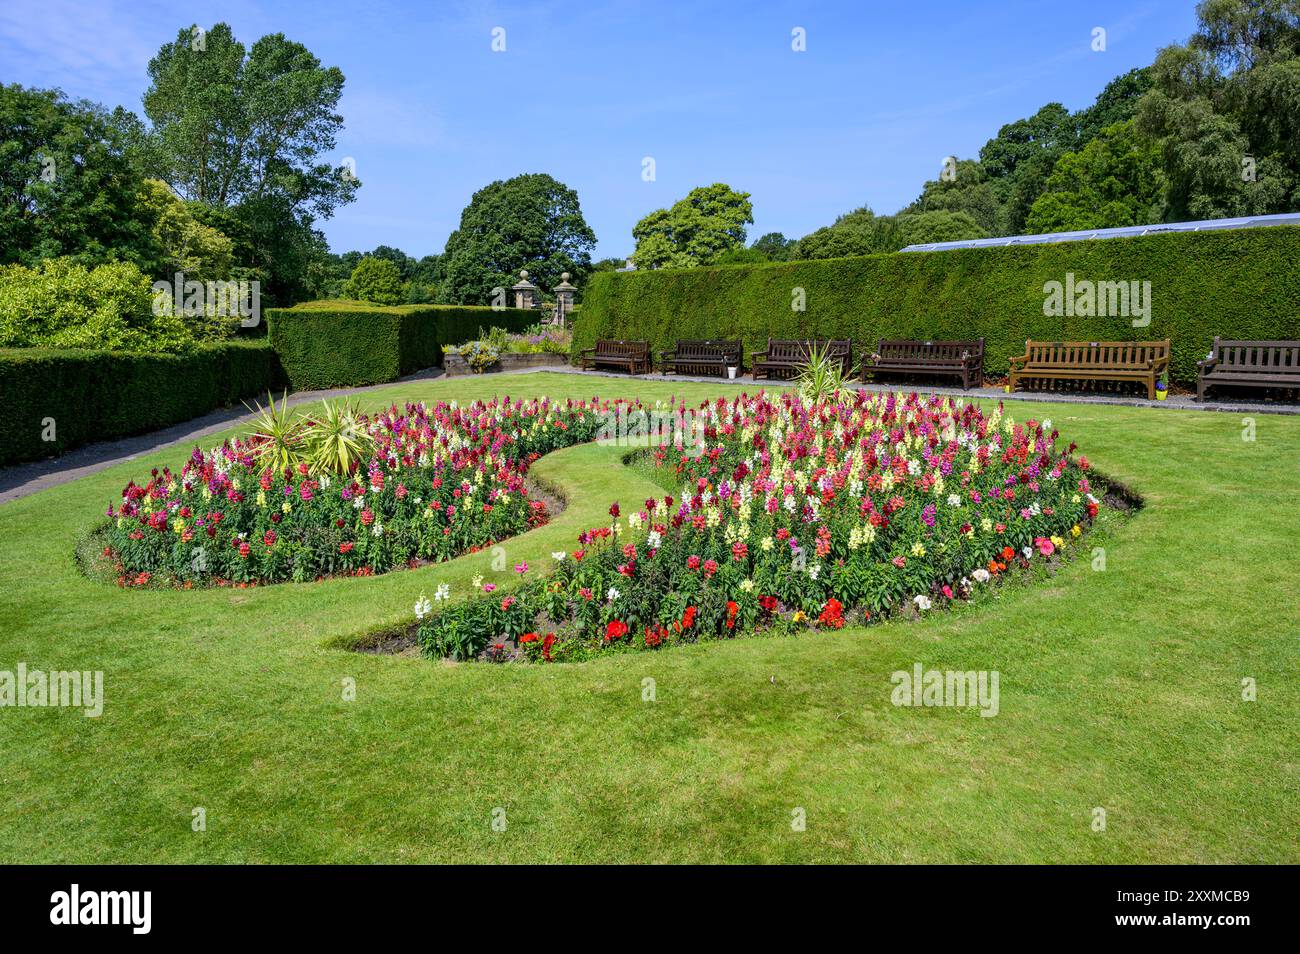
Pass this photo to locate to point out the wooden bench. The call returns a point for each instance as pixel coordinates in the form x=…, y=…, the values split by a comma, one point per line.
x=787, y=357
x=702, y=357
x=962, y=359
x=1251, y=364
x=1140, y=361
x=634, y=356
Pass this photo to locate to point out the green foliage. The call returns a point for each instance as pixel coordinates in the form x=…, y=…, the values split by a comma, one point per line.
x=101, y=395
x=695, y=231
x=529, y=222
x=336, y=440
x=187, y=245
x=348, y=344
x=1237, y=284
x=1230, y=96
x=276, y=435
x=860, y=232
x=774, y=246
x=922, y=228
x=821, y=377
x=375, y=280
x=60, y=304
x=66, y=185
x=1113, y=181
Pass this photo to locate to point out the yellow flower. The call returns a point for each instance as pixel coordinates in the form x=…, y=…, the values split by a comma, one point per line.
x=1075, y=531
x=799, y=616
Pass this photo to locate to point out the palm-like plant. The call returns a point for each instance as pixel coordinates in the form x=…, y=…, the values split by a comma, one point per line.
x=337, y=439
x=821, y=377
x=276, y=435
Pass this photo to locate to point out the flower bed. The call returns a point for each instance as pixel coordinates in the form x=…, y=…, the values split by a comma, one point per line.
x=794, y=515
x=499, y=350
x=439, y=482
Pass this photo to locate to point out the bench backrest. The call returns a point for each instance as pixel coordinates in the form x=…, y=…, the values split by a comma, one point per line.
x=907, y=350
x=781, y=349
x=622, y=349
x=1099, y=355
x=1271, y=357
x=697, y=348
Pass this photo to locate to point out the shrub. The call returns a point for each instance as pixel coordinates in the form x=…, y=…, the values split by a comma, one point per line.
x=1232, y=283
x=59, y=304
x=348, y=344
x=77, y=397
x=375, y=280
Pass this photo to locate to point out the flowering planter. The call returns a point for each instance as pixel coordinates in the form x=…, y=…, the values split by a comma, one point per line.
x=454, y=365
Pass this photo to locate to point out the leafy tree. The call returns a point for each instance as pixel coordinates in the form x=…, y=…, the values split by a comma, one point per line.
x=774, y=246
x=1226, y=100
x=376, y=280
x=529, y=222
x=922, y=228
x=1020, y=158
x=1117, y=102
x=200, y=251
x=246, y=131
x=1114, y=180
x=67, y=185
x=968, y=191
x=695, y=231
x=860, y=232
x=608, y=265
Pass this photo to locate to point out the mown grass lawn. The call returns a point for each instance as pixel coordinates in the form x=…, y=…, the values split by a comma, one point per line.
x=1120, y=689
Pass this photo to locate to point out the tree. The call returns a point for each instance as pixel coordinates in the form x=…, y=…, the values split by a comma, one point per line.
x=922, y=228
x=1020, y=158
x=1113, y=181
x=860, y=232
x=1225, y=110
x=968, y=190
x=529, y=222
x=245, y=131
x=68, y=186
x=774, y=246
x=375, y=280
x=201, y=252
x=695, y=231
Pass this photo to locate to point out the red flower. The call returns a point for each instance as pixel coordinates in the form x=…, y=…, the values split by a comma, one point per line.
x=616, y=629
x=547, y=643
x=244, y=549
x=739, y=550
x=269, y=538
x=832, y=614
x=613, y=510
x=528, y=638
x=692, y=562
x=345, y=547
x=367, y=517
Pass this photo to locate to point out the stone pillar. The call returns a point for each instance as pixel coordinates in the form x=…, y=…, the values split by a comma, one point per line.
x=525, y=292
x=563, y=299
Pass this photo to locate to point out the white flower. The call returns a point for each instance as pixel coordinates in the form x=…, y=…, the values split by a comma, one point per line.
x=477, y=581
x=814, y=570
x=653, y=540
x=443, y=592
x=558, y=556
x=612, y=595
x=423, y=607
x=954, y=500
x=981, y=575
x=747, y=585
x=377, y=530
x=1027, y=551
x=922, y=602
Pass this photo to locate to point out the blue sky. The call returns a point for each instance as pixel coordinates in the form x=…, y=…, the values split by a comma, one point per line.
x=585, y=91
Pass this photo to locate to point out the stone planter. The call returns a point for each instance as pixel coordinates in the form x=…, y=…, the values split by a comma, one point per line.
x=453, y=365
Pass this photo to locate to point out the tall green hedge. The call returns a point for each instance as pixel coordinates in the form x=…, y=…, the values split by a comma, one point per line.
x=1236, y=284
x=83, y=396
x=348, y=344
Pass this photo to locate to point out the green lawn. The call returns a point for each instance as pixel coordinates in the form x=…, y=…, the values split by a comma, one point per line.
x=1120, y=689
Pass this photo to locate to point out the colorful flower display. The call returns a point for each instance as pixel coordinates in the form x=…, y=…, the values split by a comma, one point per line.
x=441, y=481
x=798, y=514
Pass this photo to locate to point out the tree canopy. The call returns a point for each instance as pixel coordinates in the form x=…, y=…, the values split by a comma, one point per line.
x=695, y=231
x=529, y=222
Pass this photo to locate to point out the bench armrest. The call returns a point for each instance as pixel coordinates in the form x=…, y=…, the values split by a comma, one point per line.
x=587, y=351
x=758, y=354
x=1019, y=360
x=1208, y=362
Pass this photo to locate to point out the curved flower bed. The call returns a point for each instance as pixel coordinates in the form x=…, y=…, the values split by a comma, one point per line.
x=441, y=481
x=794, y=515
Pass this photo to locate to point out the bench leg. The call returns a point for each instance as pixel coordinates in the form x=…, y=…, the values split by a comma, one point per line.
x=1200, y=389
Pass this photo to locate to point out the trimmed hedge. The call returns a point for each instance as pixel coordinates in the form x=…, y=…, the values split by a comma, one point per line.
x=103, y=395
x=1242, y=283
x=334, y=344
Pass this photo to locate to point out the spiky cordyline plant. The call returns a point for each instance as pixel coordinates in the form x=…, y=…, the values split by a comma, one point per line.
x=336, y=439
x=276, y=435
x=821, y=377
